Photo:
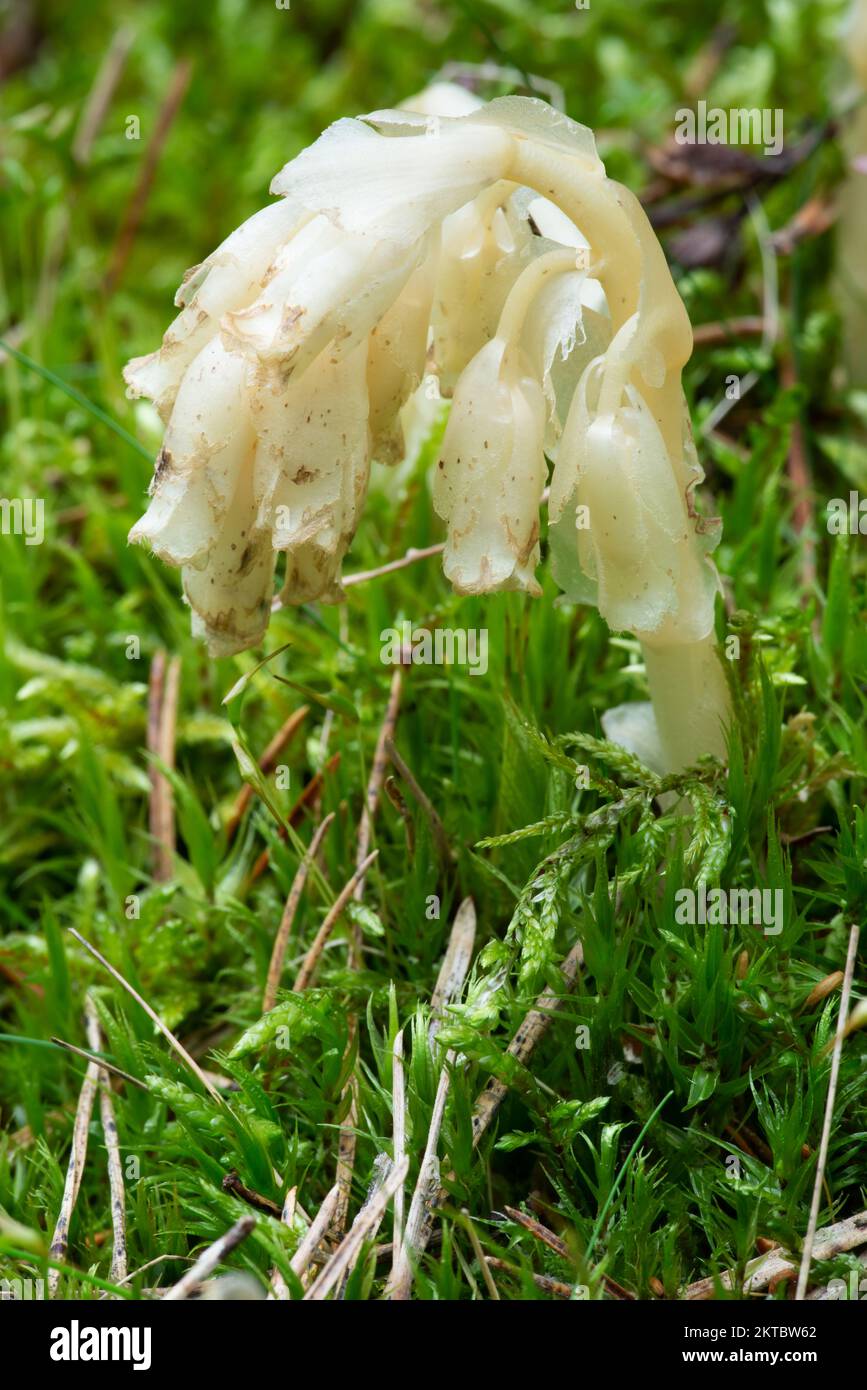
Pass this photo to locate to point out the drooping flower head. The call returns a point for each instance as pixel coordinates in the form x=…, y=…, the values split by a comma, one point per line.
x=486, y=243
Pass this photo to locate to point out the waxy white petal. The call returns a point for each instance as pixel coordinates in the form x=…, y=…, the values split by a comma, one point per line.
x=230, y=278
x=208, y=443
x=639, y=546
x=491, y=474
x=312, y=463
x=395, y=180
x=485, y=245
x=328, y=290
x=396, y=360
x=442, y=99
x=230, y=592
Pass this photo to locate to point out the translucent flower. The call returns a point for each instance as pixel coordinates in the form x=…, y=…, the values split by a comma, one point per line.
x=394, y=174
x=396, y=359
x=621, y=533
x=312, y=457
x=484, y=244
x=326, y=289
x=229, y=279
x=491, y=473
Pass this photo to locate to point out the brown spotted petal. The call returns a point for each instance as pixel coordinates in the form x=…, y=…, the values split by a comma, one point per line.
x=491, y=473
x=312, y=463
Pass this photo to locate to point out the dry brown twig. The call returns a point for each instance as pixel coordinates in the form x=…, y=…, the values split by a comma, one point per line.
x=812, y=219
x=778, y=1264
x=539, y=1231
x=450, y=980
x=727, y=330
x=178, y=84
x=542, y=1281
x=284, y=931
x=418, y=1222
x=383, y=1166
x=398, y=801
x=74, y=1171
x=153, y=1016
x=410, y=558
x=349, y=889
x=845, y=993
x=118, y=1269
x=100, y=96
x=455, y=964
x=267, y=763
x=316, y=1233
x=364, y=1228
x=554, y=1242
x=232, y=1183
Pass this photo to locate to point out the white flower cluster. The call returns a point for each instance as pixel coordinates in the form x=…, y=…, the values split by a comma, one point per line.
x=484, y=244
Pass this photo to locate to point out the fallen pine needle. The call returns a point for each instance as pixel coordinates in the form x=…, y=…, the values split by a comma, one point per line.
x=778, y=1264
x=315, y=1234
x=364, y=1228
x=152, y=1015
x=284, y=931
x=806, y=1256
x=118, y=1268
x=74, y=1171
x=311, y=960
x=398, y=1112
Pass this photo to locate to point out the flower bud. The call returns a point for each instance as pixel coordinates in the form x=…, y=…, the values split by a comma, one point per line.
x=491, y=473
x=312, y=463
x=621, y=532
